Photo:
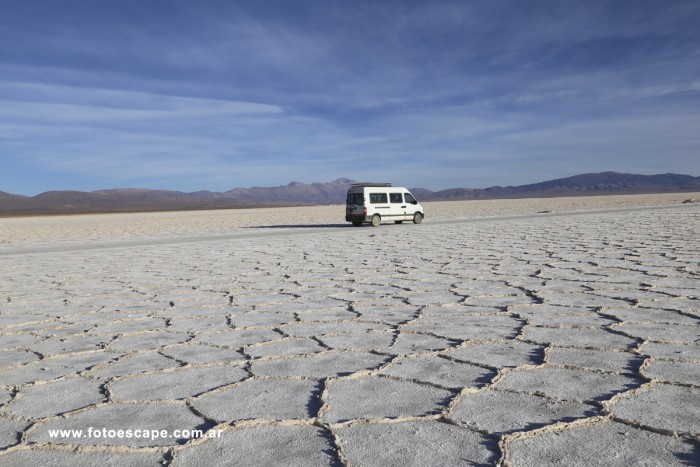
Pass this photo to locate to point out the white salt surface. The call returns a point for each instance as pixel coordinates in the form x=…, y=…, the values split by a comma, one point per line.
x=493, y=333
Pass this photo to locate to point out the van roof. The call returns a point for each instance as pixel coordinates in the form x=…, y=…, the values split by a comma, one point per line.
x=370, y=184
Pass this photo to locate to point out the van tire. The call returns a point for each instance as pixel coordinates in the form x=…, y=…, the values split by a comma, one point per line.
x=376, y=220
x=417, y=218
x=357, y=224
x=398, y=222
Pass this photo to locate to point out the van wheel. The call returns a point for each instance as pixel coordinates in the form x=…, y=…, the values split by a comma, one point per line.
x=398, y=222
x=417, y=218
x=376, y=220
x=357, y=224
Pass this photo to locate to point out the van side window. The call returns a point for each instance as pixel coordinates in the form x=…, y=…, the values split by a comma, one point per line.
x=409, y=198
x=395, y=198
x=377, y=198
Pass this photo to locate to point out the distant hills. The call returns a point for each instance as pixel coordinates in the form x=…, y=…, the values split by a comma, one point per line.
x=604, y=183
x=297, y=193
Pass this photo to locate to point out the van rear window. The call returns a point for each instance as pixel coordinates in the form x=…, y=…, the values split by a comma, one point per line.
x=377, y=198
x=355, y=198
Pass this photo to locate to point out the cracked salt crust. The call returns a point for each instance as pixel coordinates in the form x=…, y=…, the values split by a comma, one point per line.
x=524, y=341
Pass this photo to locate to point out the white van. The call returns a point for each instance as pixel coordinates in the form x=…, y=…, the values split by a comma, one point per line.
x=377, y=202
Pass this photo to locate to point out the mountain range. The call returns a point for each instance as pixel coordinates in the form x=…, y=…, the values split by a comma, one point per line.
x=297, y=193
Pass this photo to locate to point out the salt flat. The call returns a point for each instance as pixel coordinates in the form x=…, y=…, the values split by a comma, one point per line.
x=493, y=333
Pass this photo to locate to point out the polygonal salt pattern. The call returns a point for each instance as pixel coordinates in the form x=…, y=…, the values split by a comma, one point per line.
x=300, y=446
x=321, y=365
x=424, y=443
x=407, y=343
x=310, y=329
x=604, y=443
x=504, y=354
x=71, y=344
x=659, y=332
x=268, y=319
x=593, y=359
x=135, y=363
x=391, y=315
x=652, y=315
x=32, y=373
x=147, y=341
x=360, y=341
x=200, y=353
x=662, y=406
x=16, y=340
x=10, y=432
x=262, y=399
x=55, y=398
x=81, y=361
x=506, y=411
x=16, y=357
x=198, y=325
x=373, y=397
x=129, y=326
x=574, y=320
x=568, y=383
x=439, y=371
x=599, y=338
x=679, y=372
x=179, y=383
x=237, y=338
x=287, y=346
x=688, y=352
x=467, y=327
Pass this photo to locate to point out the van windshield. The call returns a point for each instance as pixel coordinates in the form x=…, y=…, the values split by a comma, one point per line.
x=355, y=198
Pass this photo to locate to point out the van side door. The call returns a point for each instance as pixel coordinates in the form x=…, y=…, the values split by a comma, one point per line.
x=398, y=206
x=379, y=204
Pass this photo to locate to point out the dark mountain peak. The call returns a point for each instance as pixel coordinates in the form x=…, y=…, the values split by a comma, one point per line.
x=123, y=190
x=342, y=181
x=60, y=194
x=136, y=192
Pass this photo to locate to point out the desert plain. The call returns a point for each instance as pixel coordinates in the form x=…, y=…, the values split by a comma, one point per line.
x=562, y=331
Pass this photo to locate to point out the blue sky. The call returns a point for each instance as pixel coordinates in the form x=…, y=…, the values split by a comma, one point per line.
x=214, y=95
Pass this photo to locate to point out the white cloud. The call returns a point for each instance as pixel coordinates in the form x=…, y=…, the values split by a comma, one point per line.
x=55, y=103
